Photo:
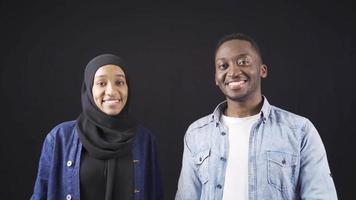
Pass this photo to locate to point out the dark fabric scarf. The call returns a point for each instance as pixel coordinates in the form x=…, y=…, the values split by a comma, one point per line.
x=104, y=137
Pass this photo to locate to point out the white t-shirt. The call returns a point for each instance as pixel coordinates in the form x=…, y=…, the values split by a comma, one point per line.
x=236, y=176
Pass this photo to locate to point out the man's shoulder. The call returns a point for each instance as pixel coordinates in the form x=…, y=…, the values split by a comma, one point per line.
x=200, y=123
x=199, y=130
x=198, y=135
x=285, y=117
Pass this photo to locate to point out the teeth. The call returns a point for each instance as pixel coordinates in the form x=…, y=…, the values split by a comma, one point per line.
x=236, y=83
x=112, y=101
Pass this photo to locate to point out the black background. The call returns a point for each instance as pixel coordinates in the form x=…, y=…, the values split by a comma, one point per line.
x=309, y=48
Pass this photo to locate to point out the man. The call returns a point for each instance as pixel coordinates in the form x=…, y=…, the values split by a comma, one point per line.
x=247, y=148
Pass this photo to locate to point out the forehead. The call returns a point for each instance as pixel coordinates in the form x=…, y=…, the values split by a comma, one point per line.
x=234, y=48
x=109, y=70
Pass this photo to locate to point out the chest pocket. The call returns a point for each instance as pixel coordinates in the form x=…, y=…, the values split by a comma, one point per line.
x=281, y=169
x=201, y=160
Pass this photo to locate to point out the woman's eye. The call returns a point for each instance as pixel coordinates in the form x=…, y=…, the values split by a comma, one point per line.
x=100, y=83
x=120, y=82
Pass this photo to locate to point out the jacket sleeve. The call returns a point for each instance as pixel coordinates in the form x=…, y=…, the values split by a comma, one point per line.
x=189, y=185
x=315, y=177
x=41, y=184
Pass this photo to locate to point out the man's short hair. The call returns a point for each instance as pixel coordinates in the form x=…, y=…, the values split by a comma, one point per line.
x=239, y=36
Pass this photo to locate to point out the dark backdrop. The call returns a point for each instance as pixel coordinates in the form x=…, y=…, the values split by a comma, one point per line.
x=309, y=48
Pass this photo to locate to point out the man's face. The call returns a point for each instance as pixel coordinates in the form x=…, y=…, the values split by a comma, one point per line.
x=238, y=70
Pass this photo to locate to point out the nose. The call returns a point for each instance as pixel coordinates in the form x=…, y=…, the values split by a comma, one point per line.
x=234, y=70
x=110, y=89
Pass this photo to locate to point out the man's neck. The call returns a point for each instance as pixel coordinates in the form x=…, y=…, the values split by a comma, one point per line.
x=243, y=108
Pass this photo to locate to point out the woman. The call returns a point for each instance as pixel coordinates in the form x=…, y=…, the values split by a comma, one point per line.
x=105, y=153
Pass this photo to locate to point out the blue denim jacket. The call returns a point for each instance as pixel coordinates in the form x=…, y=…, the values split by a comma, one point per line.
x=58, y=172
x=287, y=159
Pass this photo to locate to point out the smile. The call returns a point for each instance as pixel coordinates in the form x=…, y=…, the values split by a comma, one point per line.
x=111, y=101
x=236, y=84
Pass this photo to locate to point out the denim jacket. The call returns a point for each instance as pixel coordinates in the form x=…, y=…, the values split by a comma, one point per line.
x=58, y=172
x=287, y=159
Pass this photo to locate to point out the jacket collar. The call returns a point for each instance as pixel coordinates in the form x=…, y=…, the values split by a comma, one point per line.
x=265, y=110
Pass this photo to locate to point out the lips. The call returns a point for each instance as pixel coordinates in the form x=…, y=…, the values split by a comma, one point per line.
x=111, y=101
x=236, y=84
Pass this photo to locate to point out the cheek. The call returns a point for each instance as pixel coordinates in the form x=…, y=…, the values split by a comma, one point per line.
x=219, y=77
x=216, y=77
x=124, y=92
x=97, y=96
x=97, y=101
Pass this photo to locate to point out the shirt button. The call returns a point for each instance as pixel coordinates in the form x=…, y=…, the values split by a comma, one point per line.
x=69, y=197
x=69, y=163
x=223, y=133
x=219, y=186
x=136, y=190
x=136, y=161
x=264, y=120
x=222, y=159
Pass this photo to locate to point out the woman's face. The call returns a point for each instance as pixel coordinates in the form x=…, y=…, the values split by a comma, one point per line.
x=110, y=89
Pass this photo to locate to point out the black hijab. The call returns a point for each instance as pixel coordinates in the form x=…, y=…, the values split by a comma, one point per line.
x=104, y=136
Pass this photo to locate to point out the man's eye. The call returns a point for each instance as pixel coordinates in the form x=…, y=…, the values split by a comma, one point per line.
x=223, y=66
x=243, y=62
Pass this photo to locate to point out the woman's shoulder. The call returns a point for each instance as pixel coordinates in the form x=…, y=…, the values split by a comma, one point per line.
x=65, y=126
x=145, y=140
x=63, y=130
x=144, y=133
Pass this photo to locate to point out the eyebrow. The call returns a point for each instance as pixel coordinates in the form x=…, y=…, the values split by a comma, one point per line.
x=238, y=56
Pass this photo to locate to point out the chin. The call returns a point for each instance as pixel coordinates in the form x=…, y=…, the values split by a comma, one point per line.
x=113, y=112
x=237, y=97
